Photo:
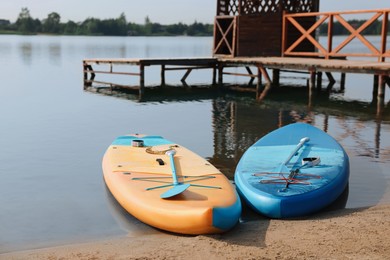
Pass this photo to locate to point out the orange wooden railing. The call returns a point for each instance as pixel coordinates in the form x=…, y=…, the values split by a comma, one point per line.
x=308, y=34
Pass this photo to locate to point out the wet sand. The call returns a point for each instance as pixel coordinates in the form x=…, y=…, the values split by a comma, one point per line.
x=343, y=234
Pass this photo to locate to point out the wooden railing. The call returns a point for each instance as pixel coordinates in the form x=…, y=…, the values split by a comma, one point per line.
x=289, y=48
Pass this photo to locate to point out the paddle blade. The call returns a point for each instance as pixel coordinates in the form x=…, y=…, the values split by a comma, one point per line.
x=175, y=190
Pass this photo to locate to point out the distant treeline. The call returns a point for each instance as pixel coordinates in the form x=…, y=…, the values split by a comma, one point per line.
x=25, y=24
x=374, y=29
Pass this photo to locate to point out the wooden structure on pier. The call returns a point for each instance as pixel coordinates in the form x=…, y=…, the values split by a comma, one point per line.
x=248, y=28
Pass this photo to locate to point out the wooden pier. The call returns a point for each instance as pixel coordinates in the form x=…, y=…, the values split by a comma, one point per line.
x=242, y=38
x=171, y=64
x=314, y=68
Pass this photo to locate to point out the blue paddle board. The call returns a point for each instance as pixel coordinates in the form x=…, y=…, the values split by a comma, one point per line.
x=293, y=171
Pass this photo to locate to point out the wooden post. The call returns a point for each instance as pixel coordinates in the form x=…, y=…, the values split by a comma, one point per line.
x=85, y=71
x=375, y=89
x=342, y=81
x=319, y=80
x=381, y=94
x=312, y=80
x=381, y=87
x=312, y=85
x=259, y=83
x=214, y=80
x=276, y=77
x=88, y=69
x=220, y=75
x=310, y=99
x=378, y=137
x=379, y=107
x=86, y=83
x=162, y=75
x=141, y=81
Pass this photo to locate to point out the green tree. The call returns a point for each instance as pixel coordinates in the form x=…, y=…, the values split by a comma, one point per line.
x=52, y=23
x=148, y=26
x=134, y=29
x=25, y=23
x=122, y=24
x=157, y=29
x=177, y=29
x=71, y=28
x=91, y=26
x=199, y=29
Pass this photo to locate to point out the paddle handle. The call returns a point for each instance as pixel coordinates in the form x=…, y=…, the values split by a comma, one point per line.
x=171, y=154
x=299, y=146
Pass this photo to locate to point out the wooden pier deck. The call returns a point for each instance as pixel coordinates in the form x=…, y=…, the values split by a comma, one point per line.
x=310, y=64
x=313, y=66
x=168, y=64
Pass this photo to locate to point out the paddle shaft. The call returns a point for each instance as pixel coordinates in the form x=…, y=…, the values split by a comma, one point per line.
x=171, y=154
x=295, y=172
x=177, y=187
x=299, y=146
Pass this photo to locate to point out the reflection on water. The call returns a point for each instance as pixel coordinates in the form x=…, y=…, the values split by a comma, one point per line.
x=55, y=53
x=26, y=52
x=54, y=134
x=127, y=222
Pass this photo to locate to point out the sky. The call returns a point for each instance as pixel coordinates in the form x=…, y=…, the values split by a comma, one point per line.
x=158, y=11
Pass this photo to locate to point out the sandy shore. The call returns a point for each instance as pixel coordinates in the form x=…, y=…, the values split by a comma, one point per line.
x=343, y=234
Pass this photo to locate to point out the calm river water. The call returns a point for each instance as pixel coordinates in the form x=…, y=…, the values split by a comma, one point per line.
x=53, y=134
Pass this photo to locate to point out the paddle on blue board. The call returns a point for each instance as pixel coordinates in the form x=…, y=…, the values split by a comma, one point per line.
x=283, y=167
x=177, y=186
